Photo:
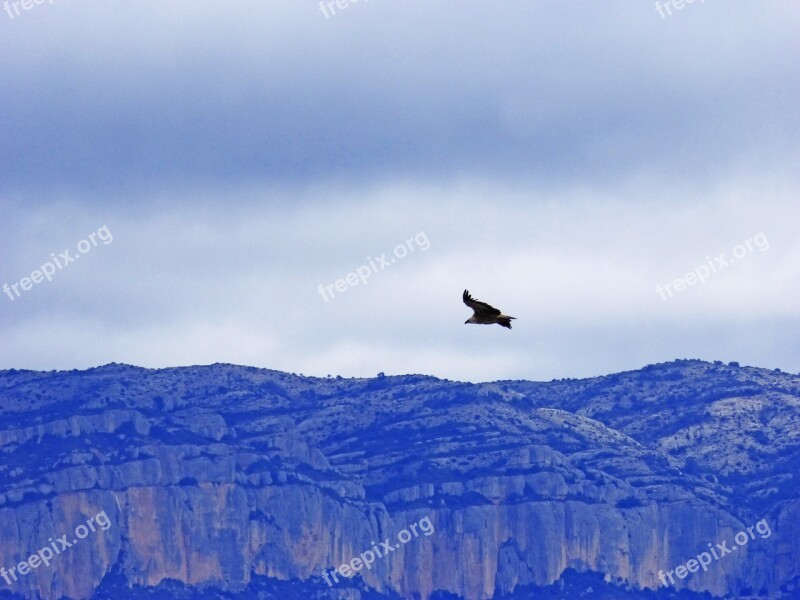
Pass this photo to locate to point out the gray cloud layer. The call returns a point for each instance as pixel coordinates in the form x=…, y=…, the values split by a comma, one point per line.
x=562, y=159
x=98, y=94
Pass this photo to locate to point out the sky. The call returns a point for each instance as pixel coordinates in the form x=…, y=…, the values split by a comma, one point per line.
x=310, y=187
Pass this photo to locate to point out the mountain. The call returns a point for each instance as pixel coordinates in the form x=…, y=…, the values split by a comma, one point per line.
x=225, y=481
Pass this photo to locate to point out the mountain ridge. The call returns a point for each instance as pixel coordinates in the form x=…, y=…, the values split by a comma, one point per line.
x=626, y=474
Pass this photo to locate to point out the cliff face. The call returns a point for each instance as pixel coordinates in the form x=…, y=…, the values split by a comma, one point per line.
x=215, y=476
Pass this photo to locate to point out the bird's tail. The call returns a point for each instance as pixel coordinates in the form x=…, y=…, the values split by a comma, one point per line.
x=505, y=321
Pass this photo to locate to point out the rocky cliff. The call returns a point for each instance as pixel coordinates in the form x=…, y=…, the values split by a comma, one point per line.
x=230, y=481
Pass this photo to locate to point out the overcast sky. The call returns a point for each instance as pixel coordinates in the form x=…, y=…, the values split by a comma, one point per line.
x=561, y=160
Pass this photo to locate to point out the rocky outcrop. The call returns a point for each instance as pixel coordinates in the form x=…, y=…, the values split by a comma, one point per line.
x=217, y=476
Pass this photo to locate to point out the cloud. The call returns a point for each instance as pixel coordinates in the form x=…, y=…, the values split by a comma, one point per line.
x=148, y=95
x=562, y=159
x=186, y=286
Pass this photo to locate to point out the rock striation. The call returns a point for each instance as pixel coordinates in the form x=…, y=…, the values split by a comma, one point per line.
x=224, y=480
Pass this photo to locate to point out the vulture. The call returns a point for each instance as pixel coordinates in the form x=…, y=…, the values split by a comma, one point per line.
x=484, y=314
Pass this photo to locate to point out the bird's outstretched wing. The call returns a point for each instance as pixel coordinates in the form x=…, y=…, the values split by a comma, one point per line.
x=480, y=308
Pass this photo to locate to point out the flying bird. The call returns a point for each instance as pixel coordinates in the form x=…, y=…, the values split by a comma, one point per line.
x=484, y=314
